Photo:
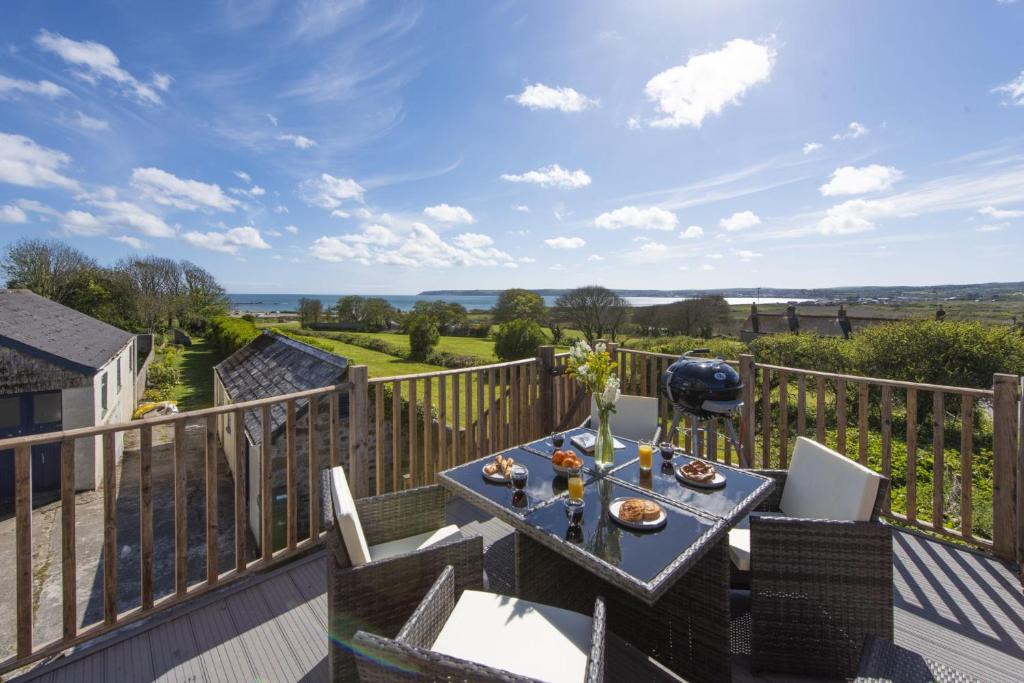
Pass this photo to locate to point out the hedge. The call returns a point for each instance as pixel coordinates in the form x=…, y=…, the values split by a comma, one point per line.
x=230, y=334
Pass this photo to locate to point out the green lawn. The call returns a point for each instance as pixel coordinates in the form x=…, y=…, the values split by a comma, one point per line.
x=195, y=390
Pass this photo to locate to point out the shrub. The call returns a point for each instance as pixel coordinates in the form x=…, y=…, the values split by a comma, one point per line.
x=423, y=336
x=729, y=349
x=230, y=334
x=518, y=339
x=827, y=354
x=315, y=342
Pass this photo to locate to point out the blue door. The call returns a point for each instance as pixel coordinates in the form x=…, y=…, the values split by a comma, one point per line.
x=32, y=413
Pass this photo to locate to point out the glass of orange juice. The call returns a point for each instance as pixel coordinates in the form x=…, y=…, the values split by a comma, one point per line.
x=576, y=488
x=646, y=452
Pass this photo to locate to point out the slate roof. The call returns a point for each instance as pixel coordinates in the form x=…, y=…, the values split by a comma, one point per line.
x=43, y=328
x=823, y=325
x=273, y=365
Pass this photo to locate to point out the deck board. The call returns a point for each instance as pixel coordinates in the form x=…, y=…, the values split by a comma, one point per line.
x=958, y=607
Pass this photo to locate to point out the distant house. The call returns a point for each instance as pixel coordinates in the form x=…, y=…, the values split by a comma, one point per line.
x=761, y=324
x=274, y=365
x=60, y=369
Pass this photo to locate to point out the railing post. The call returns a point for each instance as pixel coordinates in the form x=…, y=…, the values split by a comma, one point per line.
x=747, y=414
x=613, y=352
x=1020, y=479
x=359, y=429
x=545, y=364
x=1005, y=414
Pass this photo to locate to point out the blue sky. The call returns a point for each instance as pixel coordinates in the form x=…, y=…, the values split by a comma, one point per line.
x=326, y=147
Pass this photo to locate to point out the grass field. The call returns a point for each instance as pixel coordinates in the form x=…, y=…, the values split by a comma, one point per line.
x=195, y=390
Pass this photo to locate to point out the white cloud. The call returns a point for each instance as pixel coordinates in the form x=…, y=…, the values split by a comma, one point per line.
x=335, y=250
x=449, y=214
x=639, y=218
x=740, y=221
x=253, y=192
x=272, y=119
x=168, y=189
x=707, y=266
x=12, y=214
x=510, y=264
x=273, y=233
x=595, y=257
x=280, y=209
x=527, y=259
x=90, y=123
x=745, y=255
x=539, y=96
x=299, y=141
x=372, y=234
x=23, y=162
x=11, y=86
x=291, y=229
x=329, y=192
x=338, y=213
x=133, y=242
x=242, y=175
x=94, y=61
x=82, y=223
x=422, y=247
x=229, y=241
x=633, y=123
x=993, y=212
x=565, y=242
x=522, y=208
x=852, y=132
x=1014, y=90
x=708, y=82
x=853, y=180
x=557, y=267
x=132, y=216
x=472, y=240
x=994, y=227
x=855, y=215
x=715, y=257
x=691, y=233
x=551, y=176
x=811, y=147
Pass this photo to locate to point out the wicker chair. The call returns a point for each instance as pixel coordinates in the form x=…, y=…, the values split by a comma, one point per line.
x=487, y=626
x=884, y=662
x=380, y=594
x=819, y=587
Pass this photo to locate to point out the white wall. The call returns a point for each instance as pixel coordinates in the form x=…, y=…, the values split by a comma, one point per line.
x=83, y=407
x=227, y=442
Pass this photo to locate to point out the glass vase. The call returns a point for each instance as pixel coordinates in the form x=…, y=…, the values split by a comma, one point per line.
x=604, y=448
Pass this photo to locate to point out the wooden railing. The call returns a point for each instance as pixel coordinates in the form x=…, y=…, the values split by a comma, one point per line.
x=400, y=431
x=217, y=552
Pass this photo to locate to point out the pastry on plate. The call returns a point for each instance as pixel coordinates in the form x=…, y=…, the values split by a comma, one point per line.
x=699, y=471
x=638, y=510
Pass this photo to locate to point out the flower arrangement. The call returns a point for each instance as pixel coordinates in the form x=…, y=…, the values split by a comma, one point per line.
x=594, y=370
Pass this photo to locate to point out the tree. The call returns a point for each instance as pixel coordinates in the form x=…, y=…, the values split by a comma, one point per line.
x=349, y=309
x=517, y=339
x=695, y=317
x=596, y=311
x=204, y=298
x=518, y=304
x=423, y=336
x=49, y=268
x=448, y=316
x=309, y=310
x=158, y=290
x=647, y=320
x=377, y=314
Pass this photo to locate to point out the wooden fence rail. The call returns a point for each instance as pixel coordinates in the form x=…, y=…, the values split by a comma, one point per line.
x=954, y=454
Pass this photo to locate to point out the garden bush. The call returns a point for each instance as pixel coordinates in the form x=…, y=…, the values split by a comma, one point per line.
x=728, y=349
x=423, y=336
x=518, y=339
x=807, y=351
x=230, y=334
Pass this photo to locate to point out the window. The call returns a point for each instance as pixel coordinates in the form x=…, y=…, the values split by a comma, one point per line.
x=10, y=412
x=46, y=408
x=103, y=392
x=119, y=373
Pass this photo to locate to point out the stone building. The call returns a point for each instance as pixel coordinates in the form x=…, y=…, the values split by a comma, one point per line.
x=822, y=324
x=274, y=365
x=61, y=369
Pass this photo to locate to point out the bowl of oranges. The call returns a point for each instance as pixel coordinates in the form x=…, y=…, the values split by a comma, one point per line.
x=566, y=463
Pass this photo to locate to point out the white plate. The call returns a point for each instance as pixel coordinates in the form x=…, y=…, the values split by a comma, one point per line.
x=716, y=483
x=646, y=525
x=494, y=478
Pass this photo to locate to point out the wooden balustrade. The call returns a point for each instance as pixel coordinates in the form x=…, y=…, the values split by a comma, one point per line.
x=399, y=432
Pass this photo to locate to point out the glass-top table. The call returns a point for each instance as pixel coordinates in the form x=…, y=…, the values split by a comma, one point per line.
x=644, y=563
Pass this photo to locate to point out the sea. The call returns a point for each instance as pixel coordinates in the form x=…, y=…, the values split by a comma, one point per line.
x=269, y=303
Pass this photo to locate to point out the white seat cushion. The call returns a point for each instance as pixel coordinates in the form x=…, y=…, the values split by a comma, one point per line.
x=739, y=540
x=347, y=519
x=823, y=484
x=411, y=543
x=635, y=417
x=537, y=641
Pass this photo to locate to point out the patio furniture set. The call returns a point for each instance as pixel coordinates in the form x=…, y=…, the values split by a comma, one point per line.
x=407, y=599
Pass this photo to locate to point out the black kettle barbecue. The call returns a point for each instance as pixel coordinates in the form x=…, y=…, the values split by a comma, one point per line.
x=703, y=388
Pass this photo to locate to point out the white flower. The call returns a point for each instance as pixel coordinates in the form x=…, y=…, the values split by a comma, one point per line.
x=601, y=347
x=580, y=350
x=611, y=391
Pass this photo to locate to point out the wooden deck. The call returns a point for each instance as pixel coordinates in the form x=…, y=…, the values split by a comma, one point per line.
x=959, y=607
